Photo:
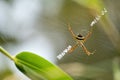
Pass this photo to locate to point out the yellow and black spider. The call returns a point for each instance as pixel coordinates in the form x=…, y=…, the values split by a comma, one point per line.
x=80, y=40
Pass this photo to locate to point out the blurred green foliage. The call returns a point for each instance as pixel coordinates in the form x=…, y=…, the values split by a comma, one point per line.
x=5, y=73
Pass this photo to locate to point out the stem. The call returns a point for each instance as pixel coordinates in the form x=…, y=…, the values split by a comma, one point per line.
x=3, y=51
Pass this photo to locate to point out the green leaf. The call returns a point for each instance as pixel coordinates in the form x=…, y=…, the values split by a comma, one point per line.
x=36, y=67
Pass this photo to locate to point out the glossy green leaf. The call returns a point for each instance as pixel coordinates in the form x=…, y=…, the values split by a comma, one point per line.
x=36, y=67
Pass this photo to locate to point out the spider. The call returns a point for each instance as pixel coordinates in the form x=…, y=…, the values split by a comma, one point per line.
x=80, y=40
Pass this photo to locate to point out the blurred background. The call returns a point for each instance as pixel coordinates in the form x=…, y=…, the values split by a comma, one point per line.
x=40, y=26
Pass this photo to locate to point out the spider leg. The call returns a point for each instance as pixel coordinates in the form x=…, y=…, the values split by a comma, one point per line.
x=70, y=29
x=88, y=35
x=73, y=48
x=84, y=48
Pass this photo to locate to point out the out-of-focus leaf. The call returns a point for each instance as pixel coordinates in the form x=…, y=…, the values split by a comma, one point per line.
x=86, y=71
x=116, y=69
x=96, y=7
x=5, y=73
